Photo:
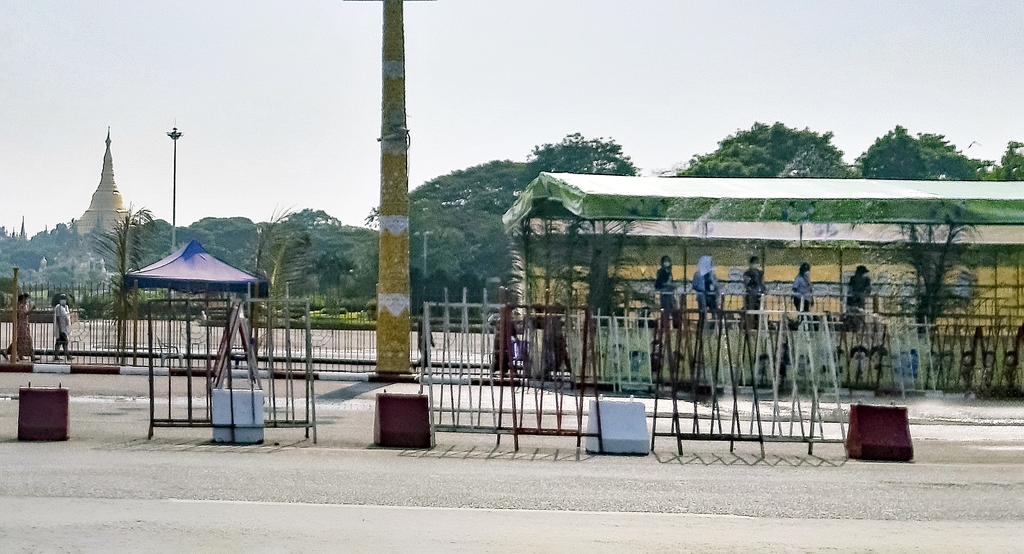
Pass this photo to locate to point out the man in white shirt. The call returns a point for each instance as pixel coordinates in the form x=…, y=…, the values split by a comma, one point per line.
x=61, y=328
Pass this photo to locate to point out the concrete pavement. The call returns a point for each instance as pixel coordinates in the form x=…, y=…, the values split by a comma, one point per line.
x=109, y=489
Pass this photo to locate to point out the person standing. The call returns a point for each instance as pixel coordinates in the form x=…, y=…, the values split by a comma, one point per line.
x=61, y=328
x=705, y=284
x=664, y=286
x=859, y=289
x=753, y=285
x=25, y=348
x=803, y=296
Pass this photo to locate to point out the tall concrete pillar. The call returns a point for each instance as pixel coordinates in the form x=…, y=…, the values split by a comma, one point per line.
x=393, y=307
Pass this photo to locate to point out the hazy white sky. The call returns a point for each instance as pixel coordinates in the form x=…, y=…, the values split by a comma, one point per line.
x=279, y=101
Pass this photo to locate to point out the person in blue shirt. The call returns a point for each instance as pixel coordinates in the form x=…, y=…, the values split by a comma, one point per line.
x=705, y=285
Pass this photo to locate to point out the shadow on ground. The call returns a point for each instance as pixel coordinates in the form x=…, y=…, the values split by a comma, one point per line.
x=350, y=392
x=581, y=455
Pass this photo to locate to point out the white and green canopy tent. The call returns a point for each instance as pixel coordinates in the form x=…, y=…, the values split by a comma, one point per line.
x=568, y=223
x=804, y=209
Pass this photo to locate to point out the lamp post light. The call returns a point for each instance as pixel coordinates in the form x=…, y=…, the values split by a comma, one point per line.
x=175, y=135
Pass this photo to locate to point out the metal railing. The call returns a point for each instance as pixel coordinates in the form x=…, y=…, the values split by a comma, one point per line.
x=972, y=348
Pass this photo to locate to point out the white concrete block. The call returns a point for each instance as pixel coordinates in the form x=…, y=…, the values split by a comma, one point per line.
x=248, y=415
x=623, y=428
x=238, y=435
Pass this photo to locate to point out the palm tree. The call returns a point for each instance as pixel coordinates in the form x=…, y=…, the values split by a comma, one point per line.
x=282, y=253
x=124, y=246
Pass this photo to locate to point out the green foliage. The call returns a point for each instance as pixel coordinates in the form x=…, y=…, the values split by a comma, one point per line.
x=55, y=255
x=96, y=306
x=160, y=246
x=342, y=258
x=6, y=286
x=1011, y=166
x=576, y=154
x=935, y=251
x=230, y=239
x=357, y=321
x=897, y=155
x=462, y=213
x=771, y=151
x=125, y=245
x=558, y=257
x=283, y=254
x=467, y=246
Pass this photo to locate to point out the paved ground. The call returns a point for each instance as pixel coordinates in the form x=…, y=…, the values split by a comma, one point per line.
x=109, y=489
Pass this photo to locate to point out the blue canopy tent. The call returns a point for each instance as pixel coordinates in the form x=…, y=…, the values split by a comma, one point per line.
x=194, y=270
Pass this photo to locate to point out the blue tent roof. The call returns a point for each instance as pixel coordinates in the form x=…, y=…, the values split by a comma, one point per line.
x=192, y=269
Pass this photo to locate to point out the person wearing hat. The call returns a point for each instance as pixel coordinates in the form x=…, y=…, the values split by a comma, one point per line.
x=61, y=328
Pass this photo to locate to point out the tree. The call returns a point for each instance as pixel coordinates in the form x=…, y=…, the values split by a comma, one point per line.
x=934, y=251
x=1011, y=167
x=771, y=151
x=230, y=239
x=898, y=155
x=343, y=258
x=467, y=245
x=576, y=154
x=124, y=246
x=461, y=211
x=282, y=254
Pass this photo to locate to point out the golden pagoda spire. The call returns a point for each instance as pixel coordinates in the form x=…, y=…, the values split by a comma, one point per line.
x=106, y=202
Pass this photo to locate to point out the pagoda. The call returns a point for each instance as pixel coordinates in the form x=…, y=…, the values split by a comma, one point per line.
x=107, y=204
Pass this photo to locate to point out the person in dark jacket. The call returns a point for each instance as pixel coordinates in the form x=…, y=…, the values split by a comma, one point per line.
x=664, y=286
x=753, y=285
x=753, y=290
x=858, y=290
x=857, y=294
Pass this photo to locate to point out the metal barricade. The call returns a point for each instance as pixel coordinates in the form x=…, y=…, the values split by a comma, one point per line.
x=281, y=359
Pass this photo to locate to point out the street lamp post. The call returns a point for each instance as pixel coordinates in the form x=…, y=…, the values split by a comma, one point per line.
x=175, y=135
x=425, y=235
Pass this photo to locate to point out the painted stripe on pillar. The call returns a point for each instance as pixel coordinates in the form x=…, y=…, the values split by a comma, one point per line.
x=394, y=224
x=395, y=304
x=394, y=69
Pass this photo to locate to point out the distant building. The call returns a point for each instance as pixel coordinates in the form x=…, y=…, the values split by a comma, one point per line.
x=107, y=204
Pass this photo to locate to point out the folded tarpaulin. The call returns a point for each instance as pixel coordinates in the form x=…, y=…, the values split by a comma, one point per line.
x=194, y=270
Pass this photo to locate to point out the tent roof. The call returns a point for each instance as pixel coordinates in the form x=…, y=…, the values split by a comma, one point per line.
x=797, y=200
x=192, y=269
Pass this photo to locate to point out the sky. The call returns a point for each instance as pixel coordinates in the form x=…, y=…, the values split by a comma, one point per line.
x=279, y=102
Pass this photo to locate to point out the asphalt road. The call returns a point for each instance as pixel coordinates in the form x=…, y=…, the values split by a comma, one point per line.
x=109, y=489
